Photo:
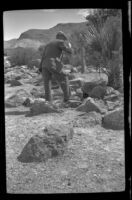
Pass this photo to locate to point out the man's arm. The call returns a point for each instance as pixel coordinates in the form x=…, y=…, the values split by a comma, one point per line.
x=66, y=46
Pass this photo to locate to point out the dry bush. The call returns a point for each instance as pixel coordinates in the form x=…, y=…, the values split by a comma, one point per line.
x=22, y=56
x=105, y=49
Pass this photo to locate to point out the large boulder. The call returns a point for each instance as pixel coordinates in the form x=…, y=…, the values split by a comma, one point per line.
x=41, y=106
x=98, y=92
x=90, y=105
x=89, y=85
x=88, y=120
x=114, y=119
x=17, y=98
x=49, y=144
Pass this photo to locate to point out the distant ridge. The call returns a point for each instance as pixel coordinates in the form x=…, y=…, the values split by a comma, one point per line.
x=33, y=38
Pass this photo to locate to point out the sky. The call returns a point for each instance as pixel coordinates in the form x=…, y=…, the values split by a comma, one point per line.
x=16, y=22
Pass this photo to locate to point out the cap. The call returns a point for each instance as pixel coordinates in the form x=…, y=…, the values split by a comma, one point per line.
x=61, y=35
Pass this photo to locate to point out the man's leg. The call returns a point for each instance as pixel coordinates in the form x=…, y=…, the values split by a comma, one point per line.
x=47, y=84
x=62, y=79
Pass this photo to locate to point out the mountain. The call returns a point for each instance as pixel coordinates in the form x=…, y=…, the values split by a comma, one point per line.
x=35, y=37
x=10, y=43
x=25, y=43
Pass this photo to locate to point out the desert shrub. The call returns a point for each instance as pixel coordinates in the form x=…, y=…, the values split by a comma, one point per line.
x=78, y=44
x=105, y=48
x=76, y=60
x=115, y=70
x=22, y=56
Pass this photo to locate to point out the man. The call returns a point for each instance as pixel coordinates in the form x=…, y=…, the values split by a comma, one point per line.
x=51, y=65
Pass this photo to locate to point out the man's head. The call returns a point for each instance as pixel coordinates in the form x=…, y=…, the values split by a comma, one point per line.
x=60, y=35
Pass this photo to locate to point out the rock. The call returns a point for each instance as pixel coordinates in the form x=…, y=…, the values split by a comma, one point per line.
x=89, y=85
x=114, y=119
x=98, y=92
x=121, y=89
x=41, y=106
x=27, y=102
x=112, y=105
x=57, y=92
x=37, y=93
x=14, y=83
x=17, y=99
x=71, y=76
x=17, y=77
x=79, y=68
x=88, y=120
x=116, y=92
x=79, y=93
x=112, y=97
x=76, y=83
x=109, y=90
x=74, y=70
x=49, y=144
x=16, y=73
x=35, y=63
x=89, y=105
x=73, y=103
x=38, y=81
x=30, y=101
x=11, y=76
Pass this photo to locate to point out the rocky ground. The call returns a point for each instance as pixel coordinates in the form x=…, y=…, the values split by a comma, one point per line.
x=92, y=162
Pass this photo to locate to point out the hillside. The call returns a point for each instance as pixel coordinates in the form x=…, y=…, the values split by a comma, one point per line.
x=35, y=37
x=10, y=43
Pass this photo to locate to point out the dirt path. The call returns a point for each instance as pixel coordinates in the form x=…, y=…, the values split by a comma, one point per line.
x=93, y=162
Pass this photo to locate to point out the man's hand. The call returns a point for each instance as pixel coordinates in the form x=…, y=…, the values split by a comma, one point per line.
x=66, y=47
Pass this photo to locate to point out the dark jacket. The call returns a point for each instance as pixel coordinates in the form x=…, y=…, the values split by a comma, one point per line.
x=53, y=50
